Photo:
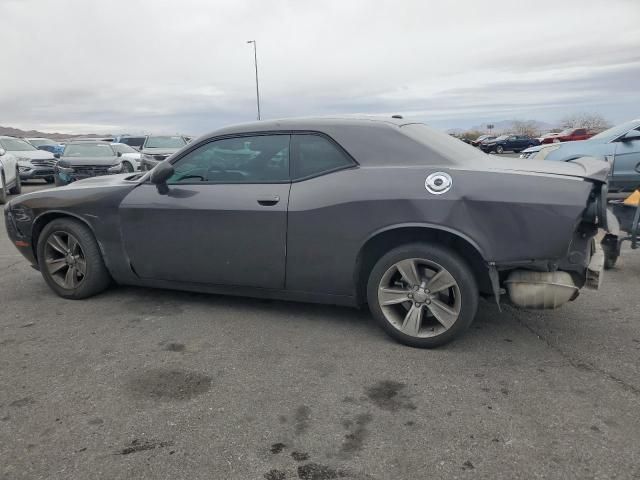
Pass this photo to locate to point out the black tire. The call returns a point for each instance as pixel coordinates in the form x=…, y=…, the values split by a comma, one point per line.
x=58, y=182
x=499, y=149
x=17, y=188
x=3, y=190
x=611, y=249
x=446, y=258
x=127, y=167
x=49, y=180
x=96, y=278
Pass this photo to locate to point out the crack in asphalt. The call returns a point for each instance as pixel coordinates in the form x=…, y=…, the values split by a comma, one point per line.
x=581, y=364
x=11, y=265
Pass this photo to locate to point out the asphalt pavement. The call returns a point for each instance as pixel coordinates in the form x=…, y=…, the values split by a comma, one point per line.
x=139, y=383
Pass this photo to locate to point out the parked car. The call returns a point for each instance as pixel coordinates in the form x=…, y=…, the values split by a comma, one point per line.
x=86, y=159
x=508, y=143
x=568, y=135
x=480, y=139
x=135, y=142
x=9, y=175
x=619, y=145
x=33, y=164
x=157, y=148
x=301, y=209
x=129, y=156
x=45, y=144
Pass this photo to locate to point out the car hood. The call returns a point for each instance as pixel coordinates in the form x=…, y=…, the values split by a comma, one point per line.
x=583, y=167
x=159, y=151
x=569, y=150
x=33, y=154
x=81, y=161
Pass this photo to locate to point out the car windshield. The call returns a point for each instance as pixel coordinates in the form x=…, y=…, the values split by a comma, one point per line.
x=165, y=142
x=568, y=131
x=503, y=137
x=615, y=132
x=38, y=142
x=122, y=148
x=88, y=150
x=16, y=145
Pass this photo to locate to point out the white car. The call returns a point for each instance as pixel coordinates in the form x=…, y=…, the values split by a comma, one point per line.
x=130, y=157
x=33, y=164
x=9, y=176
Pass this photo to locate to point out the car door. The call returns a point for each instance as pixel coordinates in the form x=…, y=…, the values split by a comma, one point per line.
x=511, y=143
x=322, y=174
x=626, y=165
x=223, y=220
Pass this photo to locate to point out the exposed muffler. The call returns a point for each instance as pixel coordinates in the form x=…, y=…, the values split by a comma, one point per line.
x=529, y=289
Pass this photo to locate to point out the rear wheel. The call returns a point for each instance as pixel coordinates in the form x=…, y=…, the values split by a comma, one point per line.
x=70, y=260
x=422, y=294
x=611, y=249
x=17, y=188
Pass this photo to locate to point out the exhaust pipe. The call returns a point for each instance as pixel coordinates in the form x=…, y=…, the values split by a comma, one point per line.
x=539, y=290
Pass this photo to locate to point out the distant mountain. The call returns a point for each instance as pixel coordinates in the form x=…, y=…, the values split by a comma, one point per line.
x=16, y=132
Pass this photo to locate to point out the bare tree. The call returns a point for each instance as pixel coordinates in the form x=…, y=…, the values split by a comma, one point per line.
x=528, y=127
x=471, y=134
x=590, y=121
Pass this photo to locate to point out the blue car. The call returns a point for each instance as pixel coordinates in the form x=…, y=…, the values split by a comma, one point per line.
x=619, y=145
x=46, y=144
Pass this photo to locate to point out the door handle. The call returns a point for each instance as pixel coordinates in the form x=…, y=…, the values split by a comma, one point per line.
x=269, y=201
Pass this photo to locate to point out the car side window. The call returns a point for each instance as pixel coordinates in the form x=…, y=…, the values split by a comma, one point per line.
x=251, y=159
x=316, y=154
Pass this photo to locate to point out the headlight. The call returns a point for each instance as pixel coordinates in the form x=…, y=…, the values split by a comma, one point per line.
x=23, y=168
x=543, y=152
x=115, y=168
x=146, y=156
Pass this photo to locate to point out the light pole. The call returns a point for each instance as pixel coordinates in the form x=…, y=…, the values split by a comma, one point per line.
x=255, y=59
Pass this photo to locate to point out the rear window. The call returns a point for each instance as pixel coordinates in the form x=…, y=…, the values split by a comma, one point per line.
x=133, y=141
x=442, y=143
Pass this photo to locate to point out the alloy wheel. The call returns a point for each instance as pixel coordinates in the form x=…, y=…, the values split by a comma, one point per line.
x=419, y=297
x=65, y=260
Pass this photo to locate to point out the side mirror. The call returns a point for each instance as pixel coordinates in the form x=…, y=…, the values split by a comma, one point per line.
x=2, y=152
x=159, y=176
x=119, y=154
x=630, y=136
x=56, y=155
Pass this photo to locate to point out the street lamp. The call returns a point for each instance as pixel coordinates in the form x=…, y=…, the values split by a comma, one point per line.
x=255, y=59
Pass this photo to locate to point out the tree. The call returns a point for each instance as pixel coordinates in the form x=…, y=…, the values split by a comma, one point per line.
x=471, y=134
x=590, y=121
x=528, y=128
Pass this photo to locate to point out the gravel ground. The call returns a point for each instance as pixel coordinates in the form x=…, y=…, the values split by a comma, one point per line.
x=138, y=383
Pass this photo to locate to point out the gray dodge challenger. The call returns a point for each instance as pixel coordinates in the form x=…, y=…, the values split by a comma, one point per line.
x=380, y=212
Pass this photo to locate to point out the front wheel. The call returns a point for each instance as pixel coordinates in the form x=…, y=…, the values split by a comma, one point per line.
x=422, y=294
x=127, y=167
x=3, y=190
x=70, y=259
x=17, y=188
x=499, y=149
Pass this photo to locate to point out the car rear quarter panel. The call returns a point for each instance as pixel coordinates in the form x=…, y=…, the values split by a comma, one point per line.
x=511, y=217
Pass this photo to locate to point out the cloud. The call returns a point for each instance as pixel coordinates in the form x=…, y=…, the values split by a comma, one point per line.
x=164, y=66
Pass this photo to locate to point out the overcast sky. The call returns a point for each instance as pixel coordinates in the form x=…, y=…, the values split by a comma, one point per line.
x=184, y=66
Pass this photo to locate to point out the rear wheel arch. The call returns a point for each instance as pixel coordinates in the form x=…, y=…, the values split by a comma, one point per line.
x=387, y=239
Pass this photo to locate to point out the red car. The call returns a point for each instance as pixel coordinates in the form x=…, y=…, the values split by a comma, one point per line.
x=568, y=135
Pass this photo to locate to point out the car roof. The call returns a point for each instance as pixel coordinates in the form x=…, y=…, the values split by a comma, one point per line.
x=372, y=141
x=87, y=142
